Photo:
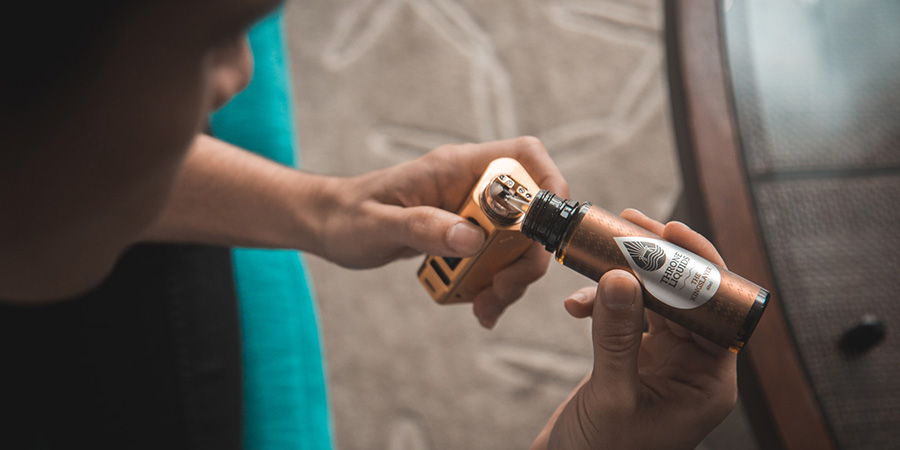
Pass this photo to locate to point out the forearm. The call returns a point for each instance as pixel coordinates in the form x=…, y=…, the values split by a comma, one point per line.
x=228, y=196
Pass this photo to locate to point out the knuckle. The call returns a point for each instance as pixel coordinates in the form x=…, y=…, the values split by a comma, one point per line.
x=531, y=269
x=537, y=269
x=541, y=269
x=446, y=151
x=439, y=153
x=617, y=338
x=531, y=144
x=509, y=295
x=418, y=222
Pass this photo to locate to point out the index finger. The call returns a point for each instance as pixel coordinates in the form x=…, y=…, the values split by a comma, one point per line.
x=681, y=235
x=527, y=150
x=640, y=219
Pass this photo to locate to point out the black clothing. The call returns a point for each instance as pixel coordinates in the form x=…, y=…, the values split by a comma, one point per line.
x=148, y=360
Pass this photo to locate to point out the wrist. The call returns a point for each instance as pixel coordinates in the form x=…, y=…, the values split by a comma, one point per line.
x=313, y=203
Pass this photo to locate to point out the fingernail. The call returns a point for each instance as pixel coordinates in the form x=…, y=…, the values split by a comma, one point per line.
x=465, y=238
x=637, y=211
x=579, y=297
x=618, y=292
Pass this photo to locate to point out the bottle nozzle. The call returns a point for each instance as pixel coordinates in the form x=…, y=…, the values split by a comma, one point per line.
x=548, y=217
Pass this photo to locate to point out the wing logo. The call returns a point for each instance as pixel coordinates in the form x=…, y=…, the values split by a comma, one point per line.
x=646, y=255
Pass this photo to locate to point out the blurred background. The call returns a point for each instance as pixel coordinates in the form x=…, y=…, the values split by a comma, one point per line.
x=378, y=82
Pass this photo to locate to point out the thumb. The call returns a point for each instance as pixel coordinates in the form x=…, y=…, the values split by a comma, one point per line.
x=433, y=230
x=618, y=324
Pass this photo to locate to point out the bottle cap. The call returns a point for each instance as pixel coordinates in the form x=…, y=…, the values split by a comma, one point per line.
x=547, y=219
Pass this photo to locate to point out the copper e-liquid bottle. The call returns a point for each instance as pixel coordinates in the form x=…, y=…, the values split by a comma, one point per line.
x=677, y=284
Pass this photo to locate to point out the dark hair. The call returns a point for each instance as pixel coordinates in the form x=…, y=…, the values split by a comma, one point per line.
x=49, y=44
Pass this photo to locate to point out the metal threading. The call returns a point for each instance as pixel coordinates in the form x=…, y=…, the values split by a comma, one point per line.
x=548, y=218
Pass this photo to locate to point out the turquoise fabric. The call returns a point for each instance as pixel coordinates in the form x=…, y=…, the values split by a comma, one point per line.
x=285, y=393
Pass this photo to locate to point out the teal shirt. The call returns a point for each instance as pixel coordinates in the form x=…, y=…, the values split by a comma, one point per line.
x=285, y=391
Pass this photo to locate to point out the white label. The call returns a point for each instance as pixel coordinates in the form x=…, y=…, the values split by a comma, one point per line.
x=670, y=273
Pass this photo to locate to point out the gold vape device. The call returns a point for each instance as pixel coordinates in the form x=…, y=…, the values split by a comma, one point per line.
x=456, y=280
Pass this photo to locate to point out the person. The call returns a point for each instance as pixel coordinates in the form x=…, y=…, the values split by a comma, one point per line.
x=103, y=149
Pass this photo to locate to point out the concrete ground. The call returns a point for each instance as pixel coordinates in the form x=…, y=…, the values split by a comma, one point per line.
x=379, y=82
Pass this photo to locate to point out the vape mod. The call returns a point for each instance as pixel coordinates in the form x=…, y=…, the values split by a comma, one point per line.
x=457, y=280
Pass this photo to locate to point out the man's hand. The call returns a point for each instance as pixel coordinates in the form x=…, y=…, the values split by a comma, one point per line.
x=225, y=195
x=664, y=389
x=409, y=209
